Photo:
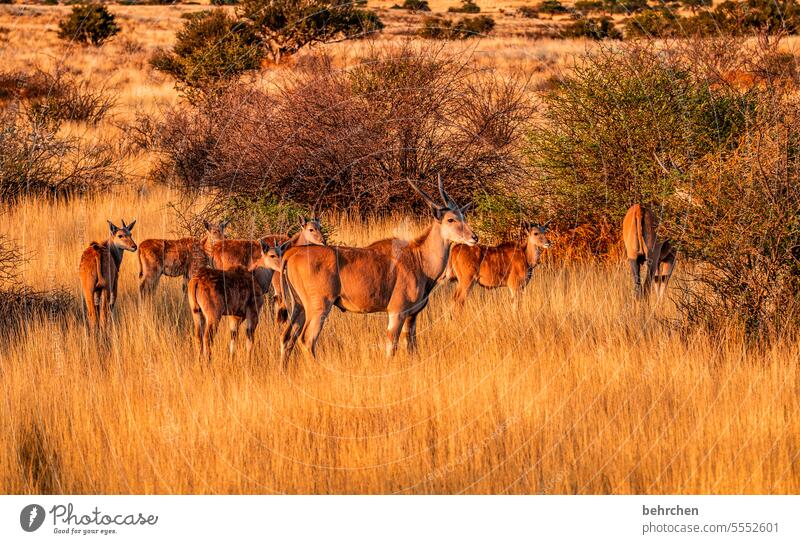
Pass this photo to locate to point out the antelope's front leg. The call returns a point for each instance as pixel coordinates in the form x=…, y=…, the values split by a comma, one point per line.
x=393, y=334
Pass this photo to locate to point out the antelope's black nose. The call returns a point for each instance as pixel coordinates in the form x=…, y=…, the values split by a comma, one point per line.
x=475, y=238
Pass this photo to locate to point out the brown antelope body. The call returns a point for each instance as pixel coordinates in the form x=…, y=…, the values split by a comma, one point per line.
x=394, y=276
x=507, y=265
x=234, y=292
x=642, y=247
x=174, y=258
x=242, y=253
x=99, y=271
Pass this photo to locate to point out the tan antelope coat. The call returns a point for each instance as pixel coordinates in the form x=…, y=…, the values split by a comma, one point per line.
x=242, y=253
x=174, y=258
x=508, y=265
x=642, y=247
x=236, y=293
x=394, y=276
x=99, y=272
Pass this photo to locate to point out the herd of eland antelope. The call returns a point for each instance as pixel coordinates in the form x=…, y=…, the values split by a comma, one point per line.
x=307, y=277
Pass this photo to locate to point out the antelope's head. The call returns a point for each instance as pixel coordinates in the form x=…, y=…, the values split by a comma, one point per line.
x=536, y=234
x=450, y=216
x=121, y=237
x=271, y=255
x=312, y=230
x=216, y=233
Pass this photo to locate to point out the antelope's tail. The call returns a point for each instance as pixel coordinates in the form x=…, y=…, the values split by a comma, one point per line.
x=640, y=234
x=192, y=293
x=141, y=272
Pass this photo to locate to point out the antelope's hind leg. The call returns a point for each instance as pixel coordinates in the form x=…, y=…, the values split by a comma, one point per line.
x=291, y=333
x=635, y=265
x=313, y=328
x=234, y=322
x=199, y=332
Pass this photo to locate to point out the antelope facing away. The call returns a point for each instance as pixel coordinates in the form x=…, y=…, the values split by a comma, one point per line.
x=235, y=293
x=642, y=246
x=393, y=275
x=173, y=258
x=242, y=253
x=99, y=271
x=509, y=264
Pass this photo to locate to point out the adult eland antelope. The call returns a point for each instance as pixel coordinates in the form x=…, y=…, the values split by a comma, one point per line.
x=393, y=275
x=99, y=271
x=509, y=264
x=173, y=258
x=234, y=292
x=642, y=247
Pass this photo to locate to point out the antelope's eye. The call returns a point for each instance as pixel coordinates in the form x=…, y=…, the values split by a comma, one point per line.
x=451, y=220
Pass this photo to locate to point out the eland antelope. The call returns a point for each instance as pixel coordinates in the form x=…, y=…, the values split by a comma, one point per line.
x=242, y=253
x=99, y=272
x=509, y=264
x=173, y=258
x=642, y=247
x=393, y=275
x=234, y=292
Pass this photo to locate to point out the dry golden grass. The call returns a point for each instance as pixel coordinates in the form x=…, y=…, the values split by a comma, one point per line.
x=577, y=392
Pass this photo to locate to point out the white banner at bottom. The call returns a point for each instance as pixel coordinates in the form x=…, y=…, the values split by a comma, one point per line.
x=399, y=519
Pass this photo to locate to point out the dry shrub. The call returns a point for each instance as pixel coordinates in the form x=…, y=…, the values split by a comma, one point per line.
x=55, y=97
x=347, y=139
x=21, y=305
x=36, y=161
x=742, y=224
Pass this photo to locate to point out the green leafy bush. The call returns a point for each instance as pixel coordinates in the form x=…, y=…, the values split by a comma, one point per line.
x=286, y=26
x=653, y=24
x=609, y=123
x=467, y=6
x=552, y=7
x=256, y=216
x=601, y=28
x=446, y=29
x=413, y=5
x=88, y=23
x=497, y=217
x=210, y=50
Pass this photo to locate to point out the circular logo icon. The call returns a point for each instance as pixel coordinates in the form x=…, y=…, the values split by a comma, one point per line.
x=31, y=517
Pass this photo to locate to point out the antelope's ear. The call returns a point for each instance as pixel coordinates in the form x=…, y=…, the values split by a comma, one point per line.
x=547, y=224
x=465, y=208
x=207, y=225
x=526, y=226
x=264, y=246
x=438, y=212
x=303, y=220
x=112, y=227
x=224, y=224
x=284, y=246
x=130, y=226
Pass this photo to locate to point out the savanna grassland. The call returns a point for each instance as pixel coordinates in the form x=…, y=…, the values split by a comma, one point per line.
x=581, y=389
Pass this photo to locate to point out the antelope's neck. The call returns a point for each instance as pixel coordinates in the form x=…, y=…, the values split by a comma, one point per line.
x=115, y=252
x=532, y=254
x=434, y=252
